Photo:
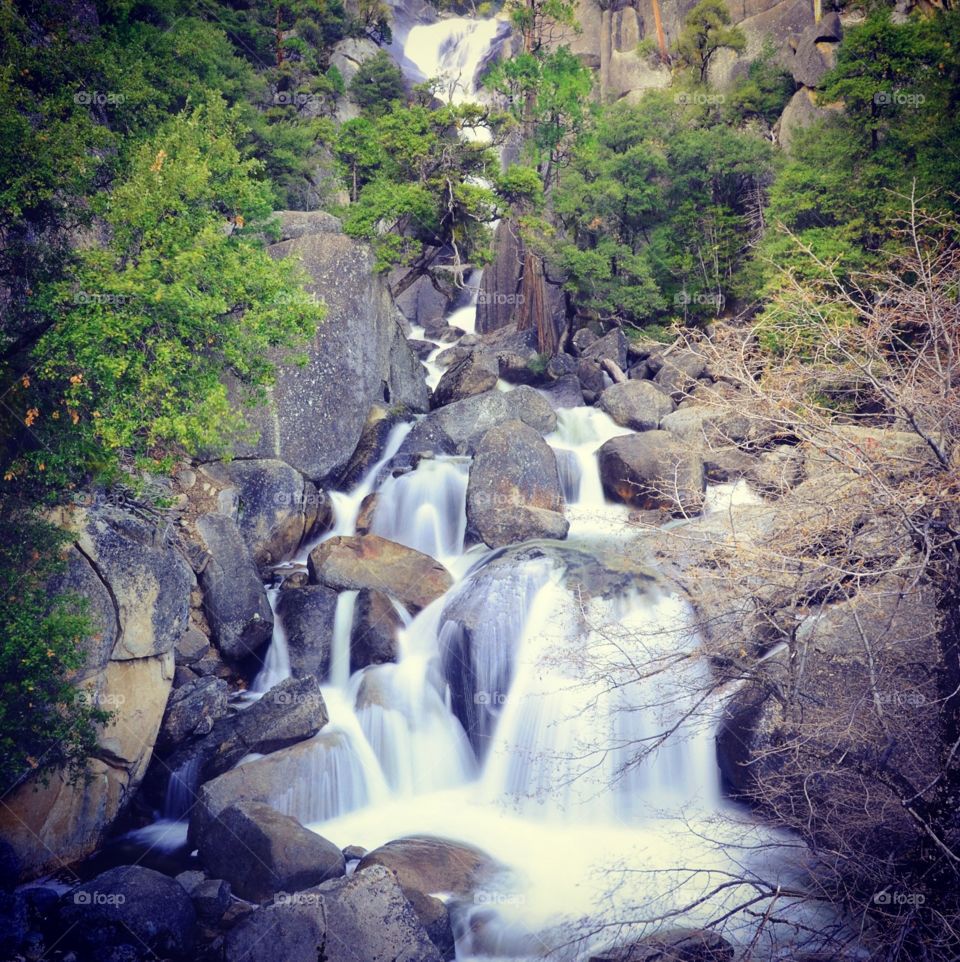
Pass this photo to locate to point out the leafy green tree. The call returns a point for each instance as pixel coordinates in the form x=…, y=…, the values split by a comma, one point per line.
x=45, y=722
x=420, y=184
x=547, y=93
x=132, y=364
x=706, y=30
x=378, y=85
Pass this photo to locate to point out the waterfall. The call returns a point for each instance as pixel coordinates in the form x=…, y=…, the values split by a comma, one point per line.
x=451, y=51
x=426, y=508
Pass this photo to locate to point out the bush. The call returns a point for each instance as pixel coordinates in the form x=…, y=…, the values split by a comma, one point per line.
x=377, y=85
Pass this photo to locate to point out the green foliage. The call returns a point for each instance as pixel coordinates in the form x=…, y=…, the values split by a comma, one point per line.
x=838, y=194
x=763, y=93
x=706, y=29
x=419, y=182
x=377, y=85
x=547, y=93
x=132, y=364
x=654, y=207
x=45, y=722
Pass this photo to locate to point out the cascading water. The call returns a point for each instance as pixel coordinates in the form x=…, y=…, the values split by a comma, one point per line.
x=558, y=727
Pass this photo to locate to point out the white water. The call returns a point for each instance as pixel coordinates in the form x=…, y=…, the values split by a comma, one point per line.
x=560, y=733
x=451, y=51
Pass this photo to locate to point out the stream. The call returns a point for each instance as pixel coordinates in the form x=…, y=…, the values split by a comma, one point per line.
x=522, y=716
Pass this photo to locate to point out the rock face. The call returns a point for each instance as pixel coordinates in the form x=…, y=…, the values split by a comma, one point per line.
x=290, y=712
x=475, y=374
x=459, y=427
x=358, y=358
x=652, y=470
x=637, y=404
x=192, y=710
x=138, y=590
x=369, y=561
x=307, y=614
x=126, y=912
x=800, y=112
x=514, y=491
x=376, y=625
x=233, y=595
x=368, y=917
x=431, y=865
x=266, y=780
x=363, y=917
x=276, y=507
x=261, y=852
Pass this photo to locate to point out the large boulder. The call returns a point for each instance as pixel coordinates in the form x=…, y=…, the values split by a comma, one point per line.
x=431, y=865
x=699, y=425
x=192, y=710
x=299, y=223
x=514, y=491
x=637, y=404
x=291, y=929
x=359, y=357
x=476, y=373
x=147, y=579
x=679, y=373
x=816, y=51
x=374, y=638
x=290, y=712
x=369, y=561
x=363, y=917
x=276, y=507
x=126, y=913
x=802, y=110
x=652, y=470
x=307, y=614
x=138, y=590
x=369, y=918
x=611, y=347
x=261, y=852
x=234, y=597
x=459, y=427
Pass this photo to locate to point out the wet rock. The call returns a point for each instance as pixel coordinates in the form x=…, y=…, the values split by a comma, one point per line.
x=276, y=507
x=307, y=614
x=652, y=470
x=235, y=600
x=514, y=491
x=639, y=405
x=369, y=561
x=380, y=422
x=211, y=898
x=459, y=427
x=192, y=711
x=475, y=374
x=376, y=627
x=290, y=712
x=129, y=908
x=432, y=865
x=368, y=917
x=261, y=852
x=565, y=392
